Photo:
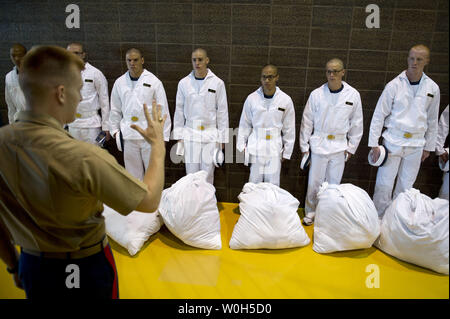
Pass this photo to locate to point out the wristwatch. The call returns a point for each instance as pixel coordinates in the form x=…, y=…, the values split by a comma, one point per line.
x=13, y=270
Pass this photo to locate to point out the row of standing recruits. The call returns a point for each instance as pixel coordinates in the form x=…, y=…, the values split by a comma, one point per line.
x=63, y=226
x=330, y=132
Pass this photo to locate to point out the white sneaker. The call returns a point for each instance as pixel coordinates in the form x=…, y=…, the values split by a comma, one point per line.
x=308, y=221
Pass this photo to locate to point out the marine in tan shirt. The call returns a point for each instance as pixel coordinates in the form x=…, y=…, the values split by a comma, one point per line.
x=52, y=186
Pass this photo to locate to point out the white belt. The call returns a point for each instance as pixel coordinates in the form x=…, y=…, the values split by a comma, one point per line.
x=83, y=115
x=404, y=134
x=199, y=125
x=266, y=133
x=330, y=136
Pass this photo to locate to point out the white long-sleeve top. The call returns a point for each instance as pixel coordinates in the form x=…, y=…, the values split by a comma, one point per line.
x=442, y=132
x=332, y=122
x=95, y=97
x=267, y=125
x=411, y=118
x=15, y=100
x=127, y=104
x=201, y=113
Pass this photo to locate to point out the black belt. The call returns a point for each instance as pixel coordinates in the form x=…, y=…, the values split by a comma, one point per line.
x=82, y=253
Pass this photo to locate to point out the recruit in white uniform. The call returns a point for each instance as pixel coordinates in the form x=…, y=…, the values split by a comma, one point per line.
x=267, y=133
x=440, y=141
x=15, y=100
x=127, y=99
x=201, y=120
x=332, y=124
x=409, y=112
x=88, y=123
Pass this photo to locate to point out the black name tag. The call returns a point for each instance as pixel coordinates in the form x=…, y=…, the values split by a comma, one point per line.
x=430, y=95
x=147, y=85
x=349, y=103
x=211, y=90
x=88, y=80
x=281, y=109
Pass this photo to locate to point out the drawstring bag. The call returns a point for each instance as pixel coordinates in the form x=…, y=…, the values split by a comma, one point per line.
x=414, y=229
x=269, y=219
x=346, y=219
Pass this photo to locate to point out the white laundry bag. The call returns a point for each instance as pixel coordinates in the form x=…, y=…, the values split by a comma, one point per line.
x=415, y=229
x=189, y=210
x=268, y=219
x=345, y=219
x=133, y=230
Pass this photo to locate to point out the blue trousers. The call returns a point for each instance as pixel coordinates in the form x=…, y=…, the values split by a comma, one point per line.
x=93, y=277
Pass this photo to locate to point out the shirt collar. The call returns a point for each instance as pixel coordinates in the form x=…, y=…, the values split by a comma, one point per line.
x=40, y=119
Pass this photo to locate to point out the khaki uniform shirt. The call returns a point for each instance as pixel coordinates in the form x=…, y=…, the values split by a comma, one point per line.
x=52, y=186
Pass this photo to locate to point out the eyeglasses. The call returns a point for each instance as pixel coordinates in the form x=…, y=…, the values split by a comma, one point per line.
x=268, y=77
x=334, y=71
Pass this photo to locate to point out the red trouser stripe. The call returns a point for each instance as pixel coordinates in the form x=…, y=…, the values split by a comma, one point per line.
x=110, y=257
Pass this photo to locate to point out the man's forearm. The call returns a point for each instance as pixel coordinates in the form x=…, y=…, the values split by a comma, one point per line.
x=154, y=176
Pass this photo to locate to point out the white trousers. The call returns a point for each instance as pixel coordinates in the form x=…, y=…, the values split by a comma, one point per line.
x=403, y=162
x=443, y=193
x=136, y=154
x=85, y=134
x=265, y=169
x=199, y=157
x=323, y=168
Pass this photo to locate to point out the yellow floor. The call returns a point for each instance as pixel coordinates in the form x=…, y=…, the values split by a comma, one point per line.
x=167, y=268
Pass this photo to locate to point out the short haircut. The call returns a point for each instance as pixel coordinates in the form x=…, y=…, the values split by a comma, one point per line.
x=336, y=60
x=135, y=51
x=19, y=46
x=201, y=50
x=273, y=66
x=421, y=47
x=44, y=67
x=76, y=43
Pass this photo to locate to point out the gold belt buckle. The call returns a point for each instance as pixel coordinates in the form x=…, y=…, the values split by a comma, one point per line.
x=330, y=137
x=407, y=135
x=78, y=115
x=268, y=137
x=201, y=127
x=134, y=118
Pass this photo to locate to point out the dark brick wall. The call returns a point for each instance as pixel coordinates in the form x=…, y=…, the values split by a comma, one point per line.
x=241, y=36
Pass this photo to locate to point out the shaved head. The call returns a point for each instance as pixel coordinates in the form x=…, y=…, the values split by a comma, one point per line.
x=422, y=48
x=270, y=66
x=336, y=61
x=134, y=50
x=16, y=53
x=201, y=50
x=18, y=47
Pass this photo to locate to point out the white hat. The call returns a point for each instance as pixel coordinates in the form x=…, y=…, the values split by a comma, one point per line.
x=381, y=160
x=306, y=159
x=442, y=165
x=119, y=141
x=218, y=158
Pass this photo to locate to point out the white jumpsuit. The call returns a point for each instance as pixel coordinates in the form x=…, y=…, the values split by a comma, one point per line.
x=267, y=133
x=127, y=101
x=410, y=115
x=201, y=121
x=332, y=123
x=440, y=140
x=15, y=100
x=88, y=123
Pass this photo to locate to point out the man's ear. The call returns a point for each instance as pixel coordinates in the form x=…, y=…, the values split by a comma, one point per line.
x=207, y=60
x=60, y=94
